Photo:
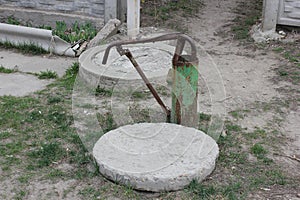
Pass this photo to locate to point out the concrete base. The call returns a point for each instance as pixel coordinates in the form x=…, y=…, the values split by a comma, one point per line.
x=156, y=156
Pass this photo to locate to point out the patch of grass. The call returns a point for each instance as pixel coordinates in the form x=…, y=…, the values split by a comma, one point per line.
x=73, y=70
x=258, y=150
x=20, y=195
x=49, y=74
x=25, y=48
x=55, y=173
x=13, y=21
x=289, y=70
x=257, y=134
x=6, y=71
x=139, y=115
x=163, y=13
x=215, y=192
x=140, y=94
x=291, y=57
x=75, y=33
x=204, y=120
x=248, y=14
x=25, y=178
x=103, y=92
x=106, y=122
x=47, y=154
x=278, y=49
x=54, y=99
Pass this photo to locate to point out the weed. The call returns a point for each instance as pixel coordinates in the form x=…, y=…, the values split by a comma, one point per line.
x=75, y=33
x=49, y=74
x=256, y=134
x=47, y=154
x=246, y=18
x=258, y=150
x=204, y=120
x=233, y=127
x=139, y=115
x=103, y=92
x=54, y=99
x=24, y=178
x=106, y=122
x=162, y=13
x=11, y=20
x=278, y=49
x=55, y=173
x=238, y=114
x=140, y=95
x=73, y=70
x=6, y=71
x=290, y=57
x=283, y=73
x=20, y=195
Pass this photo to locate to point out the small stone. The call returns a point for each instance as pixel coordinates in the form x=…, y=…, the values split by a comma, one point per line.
x=224, y=134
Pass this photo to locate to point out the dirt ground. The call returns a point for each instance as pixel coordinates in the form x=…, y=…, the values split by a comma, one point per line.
x=251, y=80
x=248, y=75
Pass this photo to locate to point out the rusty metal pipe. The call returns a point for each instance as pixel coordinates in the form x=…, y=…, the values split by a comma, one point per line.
x=148, y=84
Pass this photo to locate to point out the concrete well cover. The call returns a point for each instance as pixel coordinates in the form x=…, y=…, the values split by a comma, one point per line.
x=156, y=156
x=154, y=59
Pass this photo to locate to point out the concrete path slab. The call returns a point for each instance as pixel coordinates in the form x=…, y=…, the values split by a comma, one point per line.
x=156, y=156
x=35, y=64
x=18, y=84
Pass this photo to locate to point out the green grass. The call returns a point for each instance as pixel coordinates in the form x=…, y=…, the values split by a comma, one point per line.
x=25, y=48
x=165, y=14
x=13, y=21
x=49, y=74
x=140, y=94
x=6, y=70
x=248, y=13
x=75, y=33
x=100, y=91
x=288, y=71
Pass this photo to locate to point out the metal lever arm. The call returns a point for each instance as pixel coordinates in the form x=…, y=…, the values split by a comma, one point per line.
x=172, y=36
x=145, y=79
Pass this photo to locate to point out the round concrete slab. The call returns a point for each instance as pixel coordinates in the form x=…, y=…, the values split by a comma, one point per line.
x=156, y=156
x=154, y=59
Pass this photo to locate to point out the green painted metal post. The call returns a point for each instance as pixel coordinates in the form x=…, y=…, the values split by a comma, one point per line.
x=185, y=91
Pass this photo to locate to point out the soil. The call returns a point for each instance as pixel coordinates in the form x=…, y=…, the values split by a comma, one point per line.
x=250, y=76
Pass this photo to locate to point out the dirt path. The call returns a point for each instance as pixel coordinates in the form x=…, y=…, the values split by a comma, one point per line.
x=247, y=74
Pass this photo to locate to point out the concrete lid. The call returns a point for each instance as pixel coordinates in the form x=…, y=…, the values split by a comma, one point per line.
x=154, y=59
x=156, y=156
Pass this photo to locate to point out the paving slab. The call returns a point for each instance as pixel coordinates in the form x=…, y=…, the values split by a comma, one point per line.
x=18, y=84
x=35, y=64
x=156, y=156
